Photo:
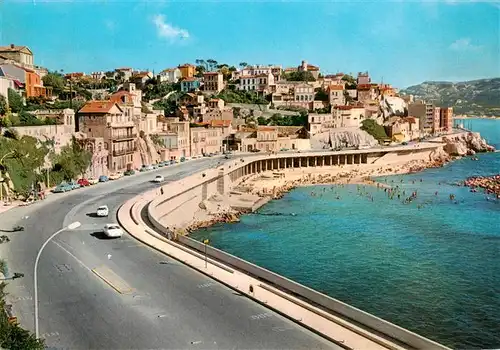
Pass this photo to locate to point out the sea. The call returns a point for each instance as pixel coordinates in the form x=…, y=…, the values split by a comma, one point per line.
x=431, y=266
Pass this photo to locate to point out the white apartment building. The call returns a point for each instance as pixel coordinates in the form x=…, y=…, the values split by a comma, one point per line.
x=258, y=83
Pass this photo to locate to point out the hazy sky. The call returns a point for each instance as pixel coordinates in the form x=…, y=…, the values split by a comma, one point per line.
x=401, y=42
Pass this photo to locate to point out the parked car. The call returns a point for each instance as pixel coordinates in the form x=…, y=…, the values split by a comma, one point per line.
x=103, y=178
x=74, y=185
x=255, y=150
x=62, y=187
x=183, y=159
x=102, y=211
x=159, y=178
x=146, y=168
x=129, y=172
x=114, y=176
x=93, y=180
x=112, y=231
x=83, y=182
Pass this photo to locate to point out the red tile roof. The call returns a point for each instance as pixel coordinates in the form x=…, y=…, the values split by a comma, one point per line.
x=343, y=108
x=266, y=128
x=189, y=79
x=116, y=97
x=336, y=87
x=220, y=123
x=364, y=86
x=98, y=107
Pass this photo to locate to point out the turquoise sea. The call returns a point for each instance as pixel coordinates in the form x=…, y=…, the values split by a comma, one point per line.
x=432, y=266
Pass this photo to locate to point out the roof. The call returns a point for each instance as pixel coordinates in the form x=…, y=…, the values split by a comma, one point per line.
x=215, y=99
x=186, y=65
x=14, y=48
x=364, y=86
x=190, y=94
x=123, y=68
x=288, y=130
x=189, y=80
x=212, y=73
x=343, y=108
x=254, y=76
x=141, y=75
x=220, y=123
x=266, y=128
x=336, y=87
x=311, y=67
x=98, y=107
x=169, y=70
x=116, y=97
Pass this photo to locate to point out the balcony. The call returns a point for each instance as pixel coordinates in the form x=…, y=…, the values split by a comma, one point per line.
x=124, y=137
x=121, y=152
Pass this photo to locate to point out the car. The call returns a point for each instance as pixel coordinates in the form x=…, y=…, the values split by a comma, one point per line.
x=404, y=143
x=183, y=159
x=158, y=178
x=146, y=168
x=83, y=182
x=112, y=231
x=254, y=150
x=114, y=176
x=74, y=185
x=62, y=187
x=103, y=178
x=93, y=180
x=102, y=211
x=129, y=172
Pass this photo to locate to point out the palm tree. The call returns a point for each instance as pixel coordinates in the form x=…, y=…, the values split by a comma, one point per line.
x=243, y=64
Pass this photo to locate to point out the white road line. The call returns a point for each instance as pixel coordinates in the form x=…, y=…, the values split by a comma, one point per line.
x=50, y=334
x=71, y=254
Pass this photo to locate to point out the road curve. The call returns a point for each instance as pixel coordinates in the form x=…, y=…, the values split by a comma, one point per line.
x=146, y=300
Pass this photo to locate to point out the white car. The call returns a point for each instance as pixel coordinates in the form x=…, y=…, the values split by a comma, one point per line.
x=159, y=178
x=103, y=210
x=93, y=181
x=113, y=231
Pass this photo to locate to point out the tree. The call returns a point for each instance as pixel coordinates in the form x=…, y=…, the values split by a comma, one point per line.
x=56, y=81
x=322, y=95
x=243, y=64
x=73, y=160
x=262, y=121
x=211, y=64
x=374, y=129
x=350, y=81
x=299, y=76
x=15, y=101
x=3, y=105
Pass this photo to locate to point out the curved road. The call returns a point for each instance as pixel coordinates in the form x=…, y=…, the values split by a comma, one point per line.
x=165, y=304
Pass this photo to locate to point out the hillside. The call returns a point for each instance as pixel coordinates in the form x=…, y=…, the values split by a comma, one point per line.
x=473, y=98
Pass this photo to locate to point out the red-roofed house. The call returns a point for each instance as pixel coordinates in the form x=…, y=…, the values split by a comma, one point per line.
x=107, y=119
x=336, y=95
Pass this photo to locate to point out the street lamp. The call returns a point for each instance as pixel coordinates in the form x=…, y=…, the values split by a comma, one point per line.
x=71, y=226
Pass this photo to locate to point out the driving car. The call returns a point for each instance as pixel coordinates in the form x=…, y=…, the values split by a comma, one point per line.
x=158, y=178
x=102, y=211
x=112, y=230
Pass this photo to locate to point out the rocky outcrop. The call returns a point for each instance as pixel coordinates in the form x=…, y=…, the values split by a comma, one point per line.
x=147, y=150
x=345, y=137
x=392, y=107
x=490, y=184
x=466, y=144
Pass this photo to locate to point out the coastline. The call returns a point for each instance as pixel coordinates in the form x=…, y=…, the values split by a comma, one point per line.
x=271, y=185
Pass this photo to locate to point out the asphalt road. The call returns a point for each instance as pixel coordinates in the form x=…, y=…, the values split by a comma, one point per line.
x=165, y=305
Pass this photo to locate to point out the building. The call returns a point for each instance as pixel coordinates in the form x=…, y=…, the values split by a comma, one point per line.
x=320, y=122
x=26, y=79
x=305, y=67
x=275, y=138
x=213, y=82
x=6, y=84
x=275, y=70
x=348, y=116
x=107, y=120
x=19, y=54
x=446, y=119
x=365, y=92
x=100, y=155
x=403, y=129
x=187, y=70
x=170, y=75
x=363, y=78
x=124, y=73
x=336, y=95
x=436, y=128
x=176, y=137
x=424, y=112
x=190, y=84
x=303, y=95
x=260, y=83
x=140, y=78
x=205, y=140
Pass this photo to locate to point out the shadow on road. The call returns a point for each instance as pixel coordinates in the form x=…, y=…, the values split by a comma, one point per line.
x=92, y=215
x=100, y=235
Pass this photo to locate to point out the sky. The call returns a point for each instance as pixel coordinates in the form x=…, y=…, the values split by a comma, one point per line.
x=398, y=42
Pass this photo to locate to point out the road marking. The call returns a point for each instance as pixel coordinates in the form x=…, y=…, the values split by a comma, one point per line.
x=206, y=285
x=112, y=279
x=22, y=298
x=51, y=334
x=281, y=329
x=63, y=268
x=71, y=254
x=261, y=316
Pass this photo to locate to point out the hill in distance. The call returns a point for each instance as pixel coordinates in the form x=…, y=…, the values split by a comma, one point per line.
x=473, y=98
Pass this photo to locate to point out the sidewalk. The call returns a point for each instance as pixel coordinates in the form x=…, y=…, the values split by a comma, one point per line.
x=331, y=326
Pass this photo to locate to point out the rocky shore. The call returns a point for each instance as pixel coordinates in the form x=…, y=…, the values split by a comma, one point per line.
x=490, y=184
x=465, y=144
